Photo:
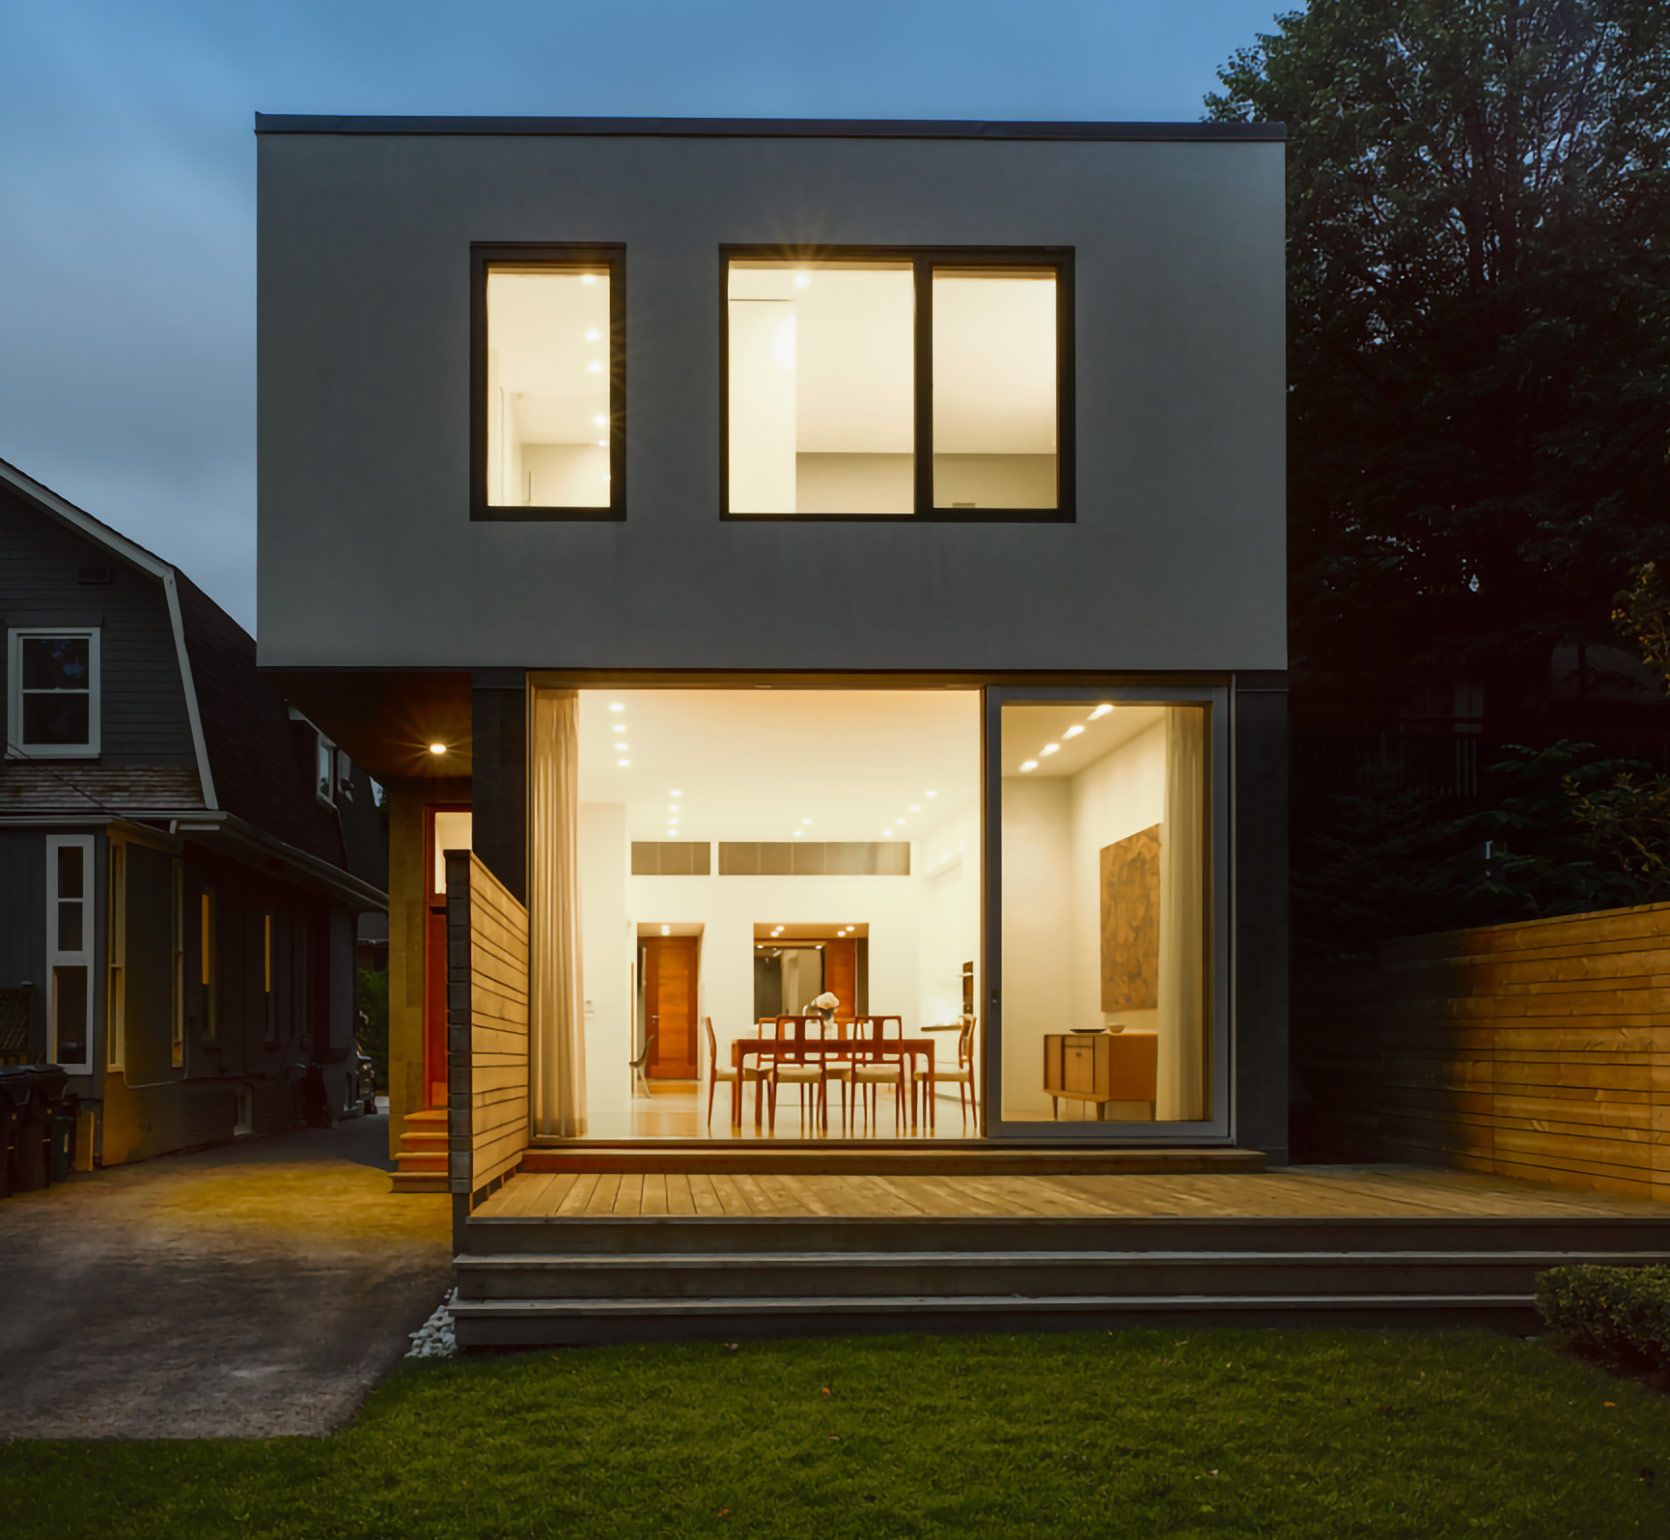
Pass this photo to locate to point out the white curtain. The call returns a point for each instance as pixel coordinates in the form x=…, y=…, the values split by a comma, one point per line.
x=557, y=1052
x=1182, y=1014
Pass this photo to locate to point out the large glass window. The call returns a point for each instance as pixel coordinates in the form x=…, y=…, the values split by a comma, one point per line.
x=995, y=371
x=549, y=375
x=916, y=383
x=821, y=386
x=1105, y=912
x=53, y=692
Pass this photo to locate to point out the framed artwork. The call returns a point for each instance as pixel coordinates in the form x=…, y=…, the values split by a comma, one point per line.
x=1130, y=892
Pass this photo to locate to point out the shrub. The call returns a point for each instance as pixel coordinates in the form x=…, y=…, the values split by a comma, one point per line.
x=1622, y=1313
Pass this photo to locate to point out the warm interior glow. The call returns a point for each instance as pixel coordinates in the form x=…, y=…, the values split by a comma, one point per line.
x=822, y=387
x=546, y=394
x=437, y=748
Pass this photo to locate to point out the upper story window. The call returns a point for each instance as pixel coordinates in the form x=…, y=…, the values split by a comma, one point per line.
x=324, y=770
x=888, y=383
x=549, y=386
x=52, y=692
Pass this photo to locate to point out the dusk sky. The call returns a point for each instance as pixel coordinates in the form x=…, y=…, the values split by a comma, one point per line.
x=127, y=174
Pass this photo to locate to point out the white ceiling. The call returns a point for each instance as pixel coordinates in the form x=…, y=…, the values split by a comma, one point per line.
x=539, y=325
x=994, y=358
x=753, y=764
x=1028, y=729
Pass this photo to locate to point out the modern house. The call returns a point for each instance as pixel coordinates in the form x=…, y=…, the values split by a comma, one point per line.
x=768, y=561
x=183, y=857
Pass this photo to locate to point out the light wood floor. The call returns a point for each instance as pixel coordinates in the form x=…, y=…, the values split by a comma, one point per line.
x=681, y=1113
x=1341, y=1192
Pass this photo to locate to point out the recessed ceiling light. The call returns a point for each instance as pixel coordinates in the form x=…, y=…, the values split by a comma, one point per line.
x=616, y=705
x=1048, y=749
x=800, y=834
x=1100, y=712
x=588, y=277
x=624, y=764
x=802, y=280
x=666, y=930
x=806, y=823
x=437, y=748
x=887, y=834
x=616, y=727
x=675, y=792
x=916, y=807
x=1074, y=730
x=602, y=443
x=600, y=421
x=1028, y=764
x=593, y=334
x=594, y=367
x=930, y=794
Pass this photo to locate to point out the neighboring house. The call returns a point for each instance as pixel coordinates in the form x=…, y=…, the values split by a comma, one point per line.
x=807, y=556
x=183, y=858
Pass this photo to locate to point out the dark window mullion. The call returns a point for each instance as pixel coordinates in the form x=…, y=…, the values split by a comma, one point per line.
x=923, y=271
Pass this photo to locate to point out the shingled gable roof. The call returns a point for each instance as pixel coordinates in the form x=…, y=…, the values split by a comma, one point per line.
x=253, y=761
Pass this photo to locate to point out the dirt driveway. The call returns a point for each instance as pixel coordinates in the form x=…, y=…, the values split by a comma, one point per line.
x=246, y=1291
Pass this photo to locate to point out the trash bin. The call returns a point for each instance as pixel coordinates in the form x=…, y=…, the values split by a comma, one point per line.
x=31, y=1090
x=66, y=1112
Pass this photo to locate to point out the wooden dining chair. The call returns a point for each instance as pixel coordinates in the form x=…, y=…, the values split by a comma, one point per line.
x=963, y=1074
x=793, y=1066
x=873, y=1068
x=839, y=1067
x=717, y=1072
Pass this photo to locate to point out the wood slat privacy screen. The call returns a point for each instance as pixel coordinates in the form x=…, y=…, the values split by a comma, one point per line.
x=487, y=1026
x=1538, y=1050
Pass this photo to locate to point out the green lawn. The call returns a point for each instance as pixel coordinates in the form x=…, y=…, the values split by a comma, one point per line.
x=1144, y=1433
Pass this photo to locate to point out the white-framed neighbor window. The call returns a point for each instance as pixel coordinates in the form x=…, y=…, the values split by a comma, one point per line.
x=69, y=951
x=324, y=770
x=52, y=691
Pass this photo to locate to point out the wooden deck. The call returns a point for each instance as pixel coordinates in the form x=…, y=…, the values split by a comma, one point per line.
x=1296, y=1192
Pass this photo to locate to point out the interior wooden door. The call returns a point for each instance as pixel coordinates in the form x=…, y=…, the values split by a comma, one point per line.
x=840, y=973
x=670, y=1006
x=434, y=1008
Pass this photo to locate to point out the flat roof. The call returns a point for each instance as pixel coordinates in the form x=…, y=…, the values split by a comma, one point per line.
x=770, y=128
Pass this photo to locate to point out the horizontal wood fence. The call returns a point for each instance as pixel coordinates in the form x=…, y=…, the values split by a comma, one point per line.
x=1538, y=1050
x=487, y=1027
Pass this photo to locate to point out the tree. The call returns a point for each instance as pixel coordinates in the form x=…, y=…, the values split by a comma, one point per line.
x=1479, y=367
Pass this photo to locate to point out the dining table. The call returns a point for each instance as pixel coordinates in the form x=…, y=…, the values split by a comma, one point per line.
x=802, y=1048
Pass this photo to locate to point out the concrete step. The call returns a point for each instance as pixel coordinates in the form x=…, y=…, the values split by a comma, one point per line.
x=537, y=1322
x=683, y=1235
x=744, y=1276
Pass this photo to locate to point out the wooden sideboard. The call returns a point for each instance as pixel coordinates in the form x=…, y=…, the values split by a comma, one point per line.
x=1101, y=1067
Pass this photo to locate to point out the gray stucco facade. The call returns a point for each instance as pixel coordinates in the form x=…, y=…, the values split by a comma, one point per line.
x=1174, y=561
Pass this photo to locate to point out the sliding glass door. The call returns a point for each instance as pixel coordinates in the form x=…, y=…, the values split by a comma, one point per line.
x=1107, y=903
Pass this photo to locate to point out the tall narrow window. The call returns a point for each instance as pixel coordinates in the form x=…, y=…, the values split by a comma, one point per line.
x=52, y=693
x=821, y=385
x=69, y=929
x=930, y=383
x=116, y=1004
x=207, y=969
x=324, y=770
x=550, y=326
x=995, y=370
x=177, y=1018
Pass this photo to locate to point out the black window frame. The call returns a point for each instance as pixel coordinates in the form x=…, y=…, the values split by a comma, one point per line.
x=558, y=255
x=924, y=260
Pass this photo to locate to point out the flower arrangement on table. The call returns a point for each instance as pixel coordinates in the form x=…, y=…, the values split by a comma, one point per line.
x=823, y=1006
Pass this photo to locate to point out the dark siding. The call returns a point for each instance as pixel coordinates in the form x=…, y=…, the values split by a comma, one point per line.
x=143, y=720
x=23, y=920
x=499, y=777
x=1261, y=932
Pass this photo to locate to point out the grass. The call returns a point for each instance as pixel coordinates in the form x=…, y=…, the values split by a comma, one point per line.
x=1142, y=1433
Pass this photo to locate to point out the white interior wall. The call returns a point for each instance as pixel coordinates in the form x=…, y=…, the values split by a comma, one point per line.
x=567, y=475
x=762, y=406
x=1037, y=934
